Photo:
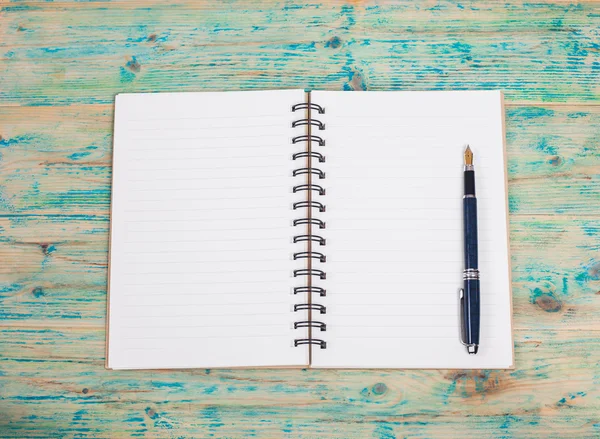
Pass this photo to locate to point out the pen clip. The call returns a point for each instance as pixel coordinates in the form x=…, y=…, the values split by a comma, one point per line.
x=461, y=316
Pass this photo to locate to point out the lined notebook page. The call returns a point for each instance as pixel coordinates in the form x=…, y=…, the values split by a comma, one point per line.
x=394, y=228
x=201, y=230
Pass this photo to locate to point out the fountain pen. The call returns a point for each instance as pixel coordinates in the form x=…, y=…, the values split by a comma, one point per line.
x=469, y=294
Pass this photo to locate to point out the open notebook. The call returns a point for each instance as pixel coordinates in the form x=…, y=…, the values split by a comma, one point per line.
x=322, y=229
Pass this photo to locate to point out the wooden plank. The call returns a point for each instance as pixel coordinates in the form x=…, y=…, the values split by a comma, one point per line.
x=58, y=267
x=54, y=381
x=546, y=51
x=56, y=160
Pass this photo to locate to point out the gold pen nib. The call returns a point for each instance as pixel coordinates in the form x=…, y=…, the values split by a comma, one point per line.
x=468, y=156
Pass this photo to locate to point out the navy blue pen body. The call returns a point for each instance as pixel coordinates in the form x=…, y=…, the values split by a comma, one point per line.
x=470, y=231
x=471, y=305
x=471, y=311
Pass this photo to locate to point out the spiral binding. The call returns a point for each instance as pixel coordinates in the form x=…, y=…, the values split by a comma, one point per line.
x=309, y=172
x=314, y=155
x=314, y=204
x=301, y=306
x=310, y=272
x=322, y=292
x=315, y=238
x=309, y=187
x=310, y=324
x=308, y=138
x=305, y=106
x=302, y=171
x=313, y=221
x=317, y=341
x=316, y=123
x=315, y=255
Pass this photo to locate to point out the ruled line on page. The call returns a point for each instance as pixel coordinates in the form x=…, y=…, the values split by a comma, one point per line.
x=202, y=315
x=212, y=128
x=197, y=293
x=228, y=325
x=170, y=156
x=230, y=168
x=204, y=139
x=449, y=337
x=179, y=220
x=221, y=282
x=211, y=209
x=265, y=270
x=141, y=305
x=281, y=197
x=195, y=189
x=204, y=118
x=179, y=241
x=245, y=148
x=179, y=251
x=229, y=261
x=197, y=337
x=358, y=325
x=216, y=229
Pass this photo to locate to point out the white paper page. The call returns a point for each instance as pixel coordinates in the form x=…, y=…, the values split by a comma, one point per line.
x=201, y=229
x=394, y=228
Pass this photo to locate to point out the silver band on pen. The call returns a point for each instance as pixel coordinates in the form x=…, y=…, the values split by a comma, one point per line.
x=471, y=274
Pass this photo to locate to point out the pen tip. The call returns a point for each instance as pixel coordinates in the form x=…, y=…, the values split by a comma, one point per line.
x=468, y=156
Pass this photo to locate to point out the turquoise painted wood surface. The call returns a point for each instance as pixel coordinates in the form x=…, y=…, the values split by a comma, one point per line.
x=61, y=63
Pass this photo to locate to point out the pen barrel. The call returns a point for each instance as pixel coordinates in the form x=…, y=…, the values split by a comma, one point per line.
x=471, y=311
x=470, y=232
x=470, y=301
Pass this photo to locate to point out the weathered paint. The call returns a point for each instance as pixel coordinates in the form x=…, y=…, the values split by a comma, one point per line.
x=61, y=63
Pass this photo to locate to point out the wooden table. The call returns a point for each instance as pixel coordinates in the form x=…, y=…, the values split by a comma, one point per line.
x=63, y=62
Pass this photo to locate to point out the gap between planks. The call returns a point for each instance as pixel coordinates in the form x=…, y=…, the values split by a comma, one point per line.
x=507, y=104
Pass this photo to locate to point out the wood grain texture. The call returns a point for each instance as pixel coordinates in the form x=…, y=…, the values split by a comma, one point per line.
x=61, y=63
